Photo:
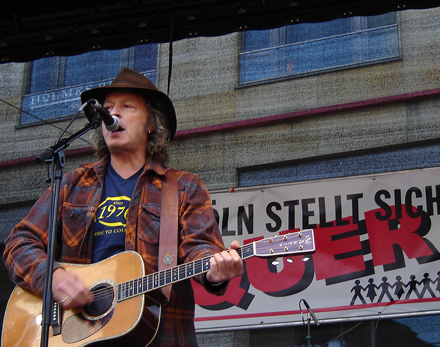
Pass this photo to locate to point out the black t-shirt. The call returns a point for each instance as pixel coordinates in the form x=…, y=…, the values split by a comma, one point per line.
x=111, y=219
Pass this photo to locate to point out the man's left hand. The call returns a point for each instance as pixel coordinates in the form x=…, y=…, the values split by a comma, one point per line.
x=225, y=266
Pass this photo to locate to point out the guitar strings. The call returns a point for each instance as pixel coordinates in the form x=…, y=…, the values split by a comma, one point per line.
x=159, y=277
x=105, y=293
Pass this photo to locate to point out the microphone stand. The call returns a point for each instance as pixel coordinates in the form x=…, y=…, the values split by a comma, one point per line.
x=55, y=155
x=310, y=314
x=309, y=336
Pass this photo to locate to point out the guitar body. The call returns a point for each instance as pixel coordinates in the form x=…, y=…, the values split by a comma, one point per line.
x=122, y=314
x=131, y=322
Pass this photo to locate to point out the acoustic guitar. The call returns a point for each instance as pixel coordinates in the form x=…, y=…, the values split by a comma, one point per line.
x=124, y=309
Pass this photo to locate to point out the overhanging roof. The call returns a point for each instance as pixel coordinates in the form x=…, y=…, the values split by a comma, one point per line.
x=34, y=29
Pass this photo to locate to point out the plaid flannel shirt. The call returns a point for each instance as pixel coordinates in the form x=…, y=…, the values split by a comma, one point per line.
x=80, y=196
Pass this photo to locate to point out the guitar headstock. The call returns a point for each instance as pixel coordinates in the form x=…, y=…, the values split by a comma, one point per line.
x=282, y=245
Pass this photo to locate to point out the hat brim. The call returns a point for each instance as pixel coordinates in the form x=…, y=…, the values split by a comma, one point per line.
x=156, y=98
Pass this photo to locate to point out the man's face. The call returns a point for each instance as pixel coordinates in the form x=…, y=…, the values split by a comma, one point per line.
x=131, y=137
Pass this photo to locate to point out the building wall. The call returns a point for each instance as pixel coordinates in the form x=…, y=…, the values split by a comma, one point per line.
x=369, y=108
x=217, y=156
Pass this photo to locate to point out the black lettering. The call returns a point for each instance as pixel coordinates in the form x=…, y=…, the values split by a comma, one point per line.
x=272, y=215
x=430, y=200
x=338, y=212
x=291, y=214
x=355, y=205
x=398, y=203
x=243, y=218
x=409, y=204
x=382, y=204
x=306, y=213
x=225, y=222
x=322, y=214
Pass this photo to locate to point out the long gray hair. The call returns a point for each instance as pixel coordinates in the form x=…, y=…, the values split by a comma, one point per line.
x=158, y=139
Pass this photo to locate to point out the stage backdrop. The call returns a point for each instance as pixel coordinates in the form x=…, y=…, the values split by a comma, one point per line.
x=377, y=242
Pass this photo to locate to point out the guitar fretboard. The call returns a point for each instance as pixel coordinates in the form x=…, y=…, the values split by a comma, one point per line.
x=282, y=245
x=175, y=274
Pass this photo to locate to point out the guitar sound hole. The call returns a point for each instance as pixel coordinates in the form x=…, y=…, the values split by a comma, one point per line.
x=103, y=300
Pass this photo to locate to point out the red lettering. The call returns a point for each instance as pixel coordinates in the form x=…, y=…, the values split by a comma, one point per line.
x=234, y=295
x=384, y=235
x=333, y=248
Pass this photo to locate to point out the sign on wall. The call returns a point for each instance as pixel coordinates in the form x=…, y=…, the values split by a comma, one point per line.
x=377, y=242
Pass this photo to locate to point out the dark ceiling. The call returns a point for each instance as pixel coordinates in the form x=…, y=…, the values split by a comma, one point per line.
x=33, y=29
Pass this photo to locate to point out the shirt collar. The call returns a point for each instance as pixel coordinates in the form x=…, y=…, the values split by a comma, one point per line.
x=150, y=165
x=154, y=166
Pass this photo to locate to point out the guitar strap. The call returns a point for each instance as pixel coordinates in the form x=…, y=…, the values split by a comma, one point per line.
x=168, y=225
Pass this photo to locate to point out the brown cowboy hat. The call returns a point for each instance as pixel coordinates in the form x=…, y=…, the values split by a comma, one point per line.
x=130, y=79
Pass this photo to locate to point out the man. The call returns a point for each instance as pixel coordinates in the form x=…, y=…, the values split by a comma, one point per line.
x=113, y=205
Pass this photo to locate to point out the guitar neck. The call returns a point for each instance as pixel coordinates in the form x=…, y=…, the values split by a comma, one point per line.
x=142, y=285
x=299, y=242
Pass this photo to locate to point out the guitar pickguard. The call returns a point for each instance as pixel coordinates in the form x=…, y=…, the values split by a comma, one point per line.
x=77, y=328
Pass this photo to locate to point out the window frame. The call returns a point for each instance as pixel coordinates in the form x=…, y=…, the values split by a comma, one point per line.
x=282, y=77
x=68, y=97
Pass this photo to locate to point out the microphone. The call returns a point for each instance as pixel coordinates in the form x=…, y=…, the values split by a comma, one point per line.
x=111, y=122
x=310, y=312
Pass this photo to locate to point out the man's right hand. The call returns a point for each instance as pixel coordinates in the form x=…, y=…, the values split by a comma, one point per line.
x=69, y=290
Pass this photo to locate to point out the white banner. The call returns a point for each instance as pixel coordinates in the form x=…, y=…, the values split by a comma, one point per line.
x=377, y=250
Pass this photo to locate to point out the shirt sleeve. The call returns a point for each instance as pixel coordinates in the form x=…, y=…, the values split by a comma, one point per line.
x=25, y=248
x=199, y=233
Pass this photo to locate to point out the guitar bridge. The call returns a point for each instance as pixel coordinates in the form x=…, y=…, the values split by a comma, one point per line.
x=56, y=319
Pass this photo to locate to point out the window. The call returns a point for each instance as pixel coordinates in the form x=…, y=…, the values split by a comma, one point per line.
x=56, y=83
x=316, y=47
